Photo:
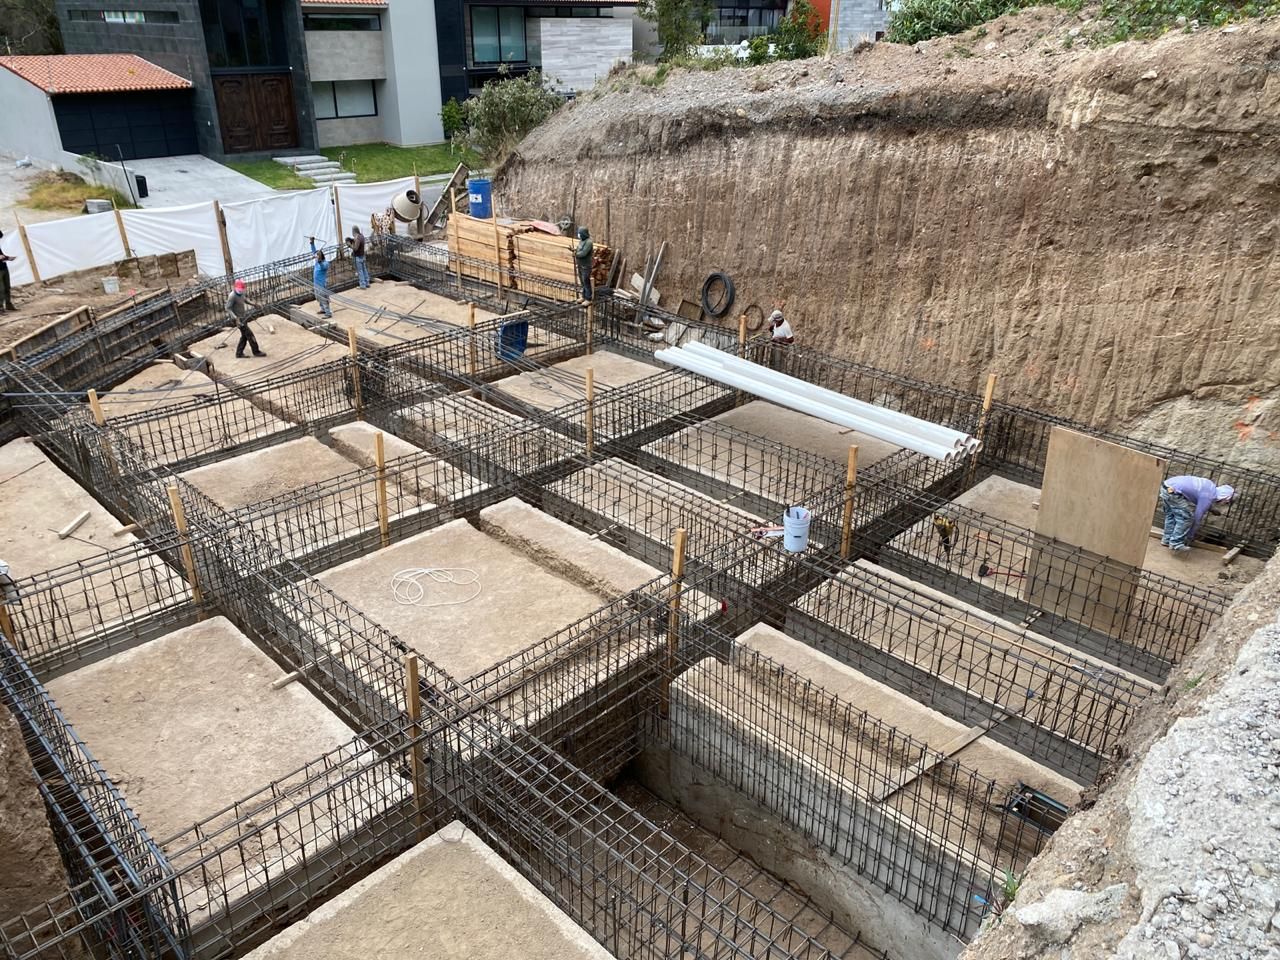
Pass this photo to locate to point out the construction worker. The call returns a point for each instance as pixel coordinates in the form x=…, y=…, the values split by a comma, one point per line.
x=320, y=278
x=582, y=252
x=356, y=243
x=1186, y=501
x=6, y=293
x=237, y=313
x=780, y=330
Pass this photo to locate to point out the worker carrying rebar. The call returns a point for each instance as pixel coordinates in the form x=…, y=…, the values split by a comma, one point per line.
x=1186, y=501
x=320, y=279
x=583, y=252
x=238, y=314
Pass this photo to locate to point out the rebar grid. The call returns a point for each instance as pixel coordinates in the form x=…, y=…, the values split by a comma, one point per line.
x=1133, y=618
x=1053, y=705
x=920, y=825
x=110, y=857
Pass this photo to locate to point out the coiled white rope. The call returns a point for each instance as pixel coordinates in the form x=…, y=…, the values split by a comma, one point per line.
x=409, y=586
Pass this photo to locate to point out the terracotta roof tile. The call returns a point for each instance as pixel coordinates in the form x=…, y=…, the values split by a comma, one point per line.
x=93, y=73
x=344, y=3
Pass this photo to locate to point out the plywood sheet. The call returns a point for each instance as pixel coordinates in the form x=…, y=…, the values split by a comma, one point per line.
x=1099, y=496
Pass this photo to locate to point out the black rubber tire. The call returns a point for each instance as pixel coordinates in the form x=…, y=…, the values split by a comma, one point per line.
x=724, y=306
x=755, y=318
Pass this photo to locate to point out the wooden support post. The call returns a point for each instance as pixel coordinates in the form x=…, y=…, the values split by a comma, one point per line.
x=591, y=411
x=7, y=628
x=380, y=458
x=591, y=324
x=124, y=237
x=188, y=558
x=742, y=335
x=833, y=34
x=471, y=341
x=26, y=247
x=850, y=481
x=222, y=236
x=353, y=347
x=337, y=216
x=457, y=250
x=607, y=234
x=673, y=615
x=497, y=243
x=422, y=207
x=95, y=407
x=413, y=707
x=987, y=396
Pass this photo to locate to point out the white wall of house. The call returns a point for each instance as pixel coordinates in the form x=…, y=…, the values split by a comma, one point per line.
x=27, y=124
x=860, y=21
x=644, y=35
x=412, y=97
x=578, y=51
x=346, y=54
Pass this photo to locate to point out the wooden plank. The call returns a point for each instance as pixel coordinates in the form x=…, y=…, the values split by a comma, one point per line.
x=1099, y=496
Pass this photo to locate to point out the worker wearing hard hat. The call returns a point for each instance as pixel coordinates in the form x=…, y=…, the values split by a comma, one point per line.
x=1186, y=501
x=779, y=330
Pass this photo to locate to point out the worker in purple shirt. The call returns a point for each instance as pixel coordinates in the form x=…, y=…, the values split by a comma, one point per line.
x=1185, y=501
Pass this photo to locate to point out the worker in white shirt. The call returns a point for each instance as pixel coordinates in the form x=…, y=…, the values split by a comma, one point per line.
x=780, y=330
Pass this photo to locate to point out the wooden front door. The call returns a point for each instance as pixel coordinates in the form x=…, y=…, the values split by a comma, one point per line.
x=255, y=111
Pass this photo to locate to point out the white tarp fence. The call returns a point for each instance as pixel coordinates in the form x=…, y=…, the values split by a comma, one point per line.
x=258, y=231
x=272, y=228
x=177, y=228
x=61, y=246
x=19, y=269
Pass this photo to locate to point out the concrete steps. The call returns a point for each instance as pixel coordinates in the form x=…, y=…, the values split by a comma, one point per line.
x=319, y=169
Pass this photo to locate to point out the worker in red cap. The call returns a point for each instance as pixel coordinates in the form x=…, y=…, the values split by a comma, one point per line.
x=237, y=313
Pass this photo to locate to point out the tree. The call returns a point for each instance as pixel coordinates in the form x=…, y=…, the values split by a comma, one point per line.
x=799, y=34
x=454, y=120
x=504, y=112
x=29, y=27
x=680, y=23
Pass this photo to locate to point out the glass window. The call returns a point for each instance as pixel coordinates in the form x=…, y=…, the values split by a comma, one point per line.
x=484, y=34
x=355, y=98
x=322, y=97
x=341, y=21
x=511, y=34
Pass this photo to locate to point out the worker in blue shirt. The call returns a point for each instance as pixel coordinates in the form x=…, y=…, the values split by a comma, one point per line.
x=1186, y=500
x=320, y=277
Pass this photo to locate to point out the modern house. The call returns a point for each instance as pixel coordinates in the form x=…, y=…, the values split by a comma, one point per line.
x=245, y=60
x=113, y=106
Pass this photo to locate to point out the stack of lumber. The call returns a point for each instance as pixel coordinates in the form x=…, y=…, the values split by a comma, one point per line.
x=520, y=246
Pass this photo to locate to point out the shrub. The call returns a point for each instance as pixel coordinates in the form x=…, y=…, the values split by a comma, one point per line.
x=799, y=34
x=680, y=23
x=504, y=112
x=453, y=117
x=916, y=20
x=758, y=51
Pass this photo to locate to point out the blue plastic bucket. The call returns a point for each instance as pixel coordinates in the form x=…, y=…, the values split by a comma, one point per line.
x=795, y=530
x=480, y=197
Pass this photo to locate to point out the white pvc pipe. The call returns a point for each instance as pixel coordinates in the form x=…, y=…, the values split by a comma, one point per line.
x=714, y=371
x=927, y=430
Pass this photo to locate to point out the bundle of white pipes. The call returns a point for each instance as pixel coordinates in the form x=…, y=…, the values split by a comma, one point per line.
x=931, y=439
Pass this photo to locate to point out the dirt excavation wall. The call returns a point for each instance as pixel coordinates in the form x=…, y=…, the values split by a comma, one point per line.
x=31, y=871
x=1096, y=226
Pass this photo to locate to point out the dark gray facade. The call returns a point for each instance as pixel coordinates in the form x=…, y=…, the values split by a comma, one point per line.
x=180, y=47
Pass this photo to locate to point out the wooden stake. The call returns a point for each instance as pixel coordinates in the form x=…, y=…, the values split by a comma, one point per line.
x=591, y=411
x=422, y=207
x=26, y=246
x=607, y=234
x=673, y=615
x=337, y=216
x=188, y=558
x=7, y=628
x=222, y=236
x=380, y=457
x=850, y=481
x=413, y=703
x=95, y=407
x=982, y=425
x=471, y=341
x=74, y=525
x=355, y=370
x=833, y=32
x=457, y=249
x=497, y=243
x=742, y=335
x=124, y=237
x=591, y=323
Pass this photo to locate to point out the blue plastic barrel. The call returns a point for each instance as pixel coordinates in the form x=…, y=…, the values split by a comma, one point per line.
x=480, y=196
x=513, y=339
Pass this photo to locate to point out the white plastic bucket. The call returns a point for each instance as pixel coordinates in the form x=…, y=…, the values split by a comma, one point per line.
x=795, y=529
x=110, y=284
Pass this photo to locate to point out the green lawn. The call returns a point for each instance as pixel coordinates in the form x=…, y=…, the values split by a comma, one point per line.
x=381, y=161
x=273, y=174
